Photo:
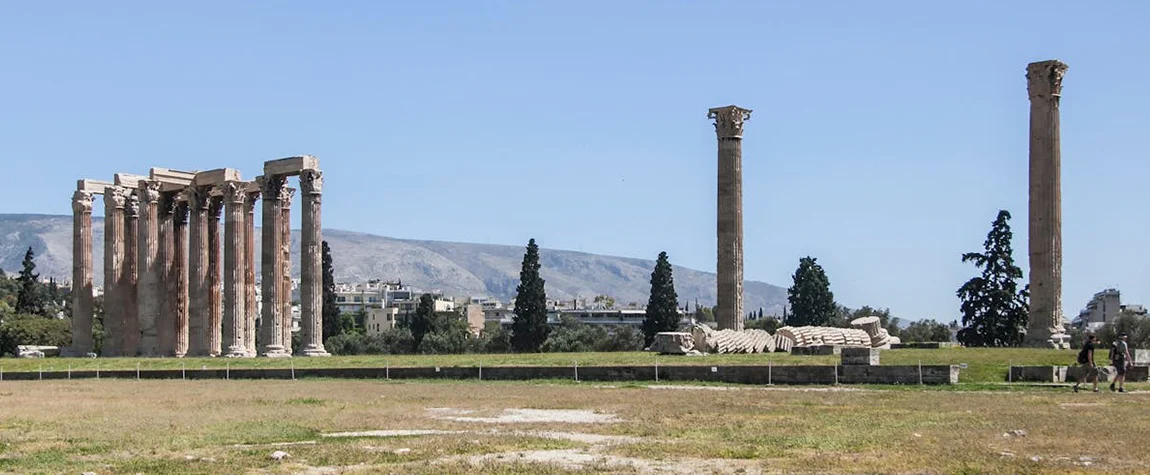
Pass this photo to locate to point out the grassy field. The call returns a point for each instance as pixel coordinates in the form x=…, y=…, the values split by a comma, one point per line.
x=983, y=364
x=189, y=427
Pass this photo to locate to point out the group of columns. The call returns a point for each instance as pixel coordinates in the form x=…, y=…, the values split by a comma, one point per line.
x=1045, y=326
x=171, y=289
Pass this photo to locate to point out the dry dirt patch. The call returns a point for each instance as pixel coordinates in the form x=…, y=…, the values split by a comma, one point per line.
x=511, y=416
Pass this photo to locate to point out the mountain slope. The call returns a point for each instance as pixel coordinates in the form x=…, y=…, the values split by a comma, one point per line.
x=455, y=268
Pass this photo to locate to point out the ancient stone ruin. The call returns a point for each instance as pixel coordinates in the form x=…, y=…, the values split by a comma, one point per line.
x=729, y=131
x=163, y=291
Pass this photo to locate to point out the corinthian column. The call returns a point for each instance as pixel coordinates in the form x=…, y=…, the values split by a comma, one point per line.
x=114, y=328
x=180, y=274
x=82, y=342
x=148, y=303
x=250, y=307
x=165, y=319
x=215, y=294
x=285, y=253
x=198, y=270
x=234, y=301
x=311, y=265
x=271, y=331
x=127, y=289
x=729, y=129
x=1044, y=85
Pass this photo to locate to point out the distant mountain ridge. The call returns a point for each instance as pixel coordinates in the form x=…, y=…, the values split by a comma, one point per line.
x=458, y=269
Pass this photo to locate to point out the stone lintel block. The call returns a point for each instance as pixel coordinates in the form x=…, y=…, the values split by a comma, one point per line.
x=860, y=356
x=169, y=176
x=129, y=180
x=95, y=187
x=216, y=177
x=291, y=165
x=1141, y=356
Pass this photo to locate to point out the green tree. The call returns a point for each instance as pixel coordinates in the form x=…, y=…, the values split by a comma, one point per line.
x=994, y=309
x=663, y=304
x=606, y=301
x=331, y=319
x=28, y=329
x=704, y=313
x=29, y=299
x=810, y=297
x=844, y=316
x=924, y=331
x=421, y=323
x=529, y=328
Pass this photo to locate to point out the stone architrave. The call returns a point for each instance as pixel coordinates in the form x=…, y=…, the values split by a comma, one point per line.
x=271, y=189
x=1044, y=86
x=165, y=318
x=214, y=285
x=114, y=328
x=729, y=130
x=180, y=274
x=128, y=290
x=198, y=270
x=311, y=265
x=251, y=309
x=285, y=250
x=82, y=299
x=149, y=284
x=234, y=300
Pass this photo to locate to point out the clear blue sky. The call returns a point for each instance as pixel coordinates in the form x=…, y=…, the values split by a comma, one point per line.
x=885, y=136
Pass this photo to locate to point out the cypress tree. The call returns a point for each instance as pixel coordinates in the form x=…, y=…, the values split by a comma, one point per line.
x=810, y=296
x=994, y=310
x=29, y=299
x=529, y=328
x=421, y=323
x=330, y=312
x=663, y=304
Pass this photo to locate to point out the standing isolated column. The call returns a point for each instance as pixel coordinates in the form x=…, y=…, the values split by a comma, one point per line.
x=128, y=290
x=285, y=253
x=114, y=325
x=311, y=265
x=198, y=270
x=234, y=302
x=215, y=294
x=166, y=317
x=148, y=285
x=82, y=301
x=251, y=309
x=729, y=129
x=1044, y=85
x=180, y=274
x=271, y=269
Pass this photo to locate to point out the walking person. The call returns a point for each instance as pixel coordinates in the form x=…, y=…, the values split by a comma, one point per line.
x=1120, y=357
x=1086, y=359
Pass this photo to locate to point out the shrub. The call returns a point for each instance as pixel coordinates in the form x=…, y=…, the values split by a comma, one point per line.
x=26, y=329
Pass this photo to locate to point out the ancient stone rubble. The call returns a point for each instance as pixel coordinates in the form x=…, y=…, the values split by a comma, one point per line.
x=175, y=285
x=673, y=343
x=727, y=341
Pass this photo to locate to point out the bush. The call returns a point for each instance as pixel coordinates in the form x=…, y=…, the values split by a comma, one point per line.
x=621, y=338
x=574, y=336
x=495, y=339
x=1137, y=326
x=769, y=324
x=25, y=329
x=391, y=342
x=925, y=331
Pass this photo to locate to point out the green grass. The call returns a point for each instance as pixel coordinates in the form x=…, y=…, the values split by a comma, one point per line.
x=984, y=365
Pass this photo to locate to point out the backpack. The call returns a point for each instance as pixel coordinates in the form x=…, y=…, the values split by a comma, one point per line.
x=1113, y=350
x=1083, y=358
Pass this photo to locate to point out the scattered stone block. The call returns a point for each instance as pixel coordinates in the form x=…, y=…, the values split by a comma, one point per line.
x=1038, y=374
x=860, y=356
x=673, y=343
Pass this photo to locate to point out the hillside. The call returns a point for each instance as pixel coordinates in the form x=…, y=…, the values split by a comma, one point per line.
x=454, y=268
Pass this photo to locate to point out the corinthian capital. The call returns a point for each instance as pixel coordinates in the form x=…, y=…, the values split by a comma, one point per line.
x=729, y=120
x=149, y=191
x=82, y=201
x=1044, y=78
x=115, y=197
x=131, y=203
x=311, y=182
x=235, y=191
x=287, y=194
x=197, y=197
x=271, y=186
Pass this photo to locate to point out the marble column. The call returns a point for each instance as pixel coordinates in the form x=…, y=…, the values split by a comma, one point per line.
x=214, y=285
x=82, y=300
x=311, y=265
x=114, y=329
x=271, y=333
x=285, y=253
x=251, y=309
x=180, y=274
x=729, y=130
x=148, y=300
x=128, y=290
x=165, y=319
x=198, y=270
x=1044, y=85
x=234, y=300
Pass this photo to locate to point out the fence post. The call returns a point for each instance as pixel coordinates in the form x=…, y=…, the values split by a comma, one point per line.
x=576, y=371
x=69, y=370
x=836, y=374
x=228, y=371
x=920, y=372
x=656, y=370
x=293, y=370
x=41, y=372
x=183, y=370
x=386, y=370
x=481, y=370
x=1, y=373
x=137, y=371
x=1010, y=371
x=769, y=367
x=97, y=370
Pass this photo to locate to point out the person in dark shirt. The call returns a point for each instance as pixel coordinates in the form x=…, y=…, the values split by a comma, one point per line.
x=1121, y=360
x=1086, y=359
